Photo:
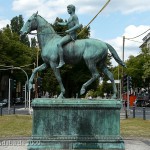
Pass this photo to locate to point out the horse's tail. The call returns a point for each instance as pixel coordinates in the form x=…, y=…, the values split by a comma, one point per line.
x=115, y=55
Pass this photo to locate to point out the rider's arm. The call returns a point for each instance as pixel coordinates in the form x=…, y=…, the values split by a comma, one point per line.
x=76, y=26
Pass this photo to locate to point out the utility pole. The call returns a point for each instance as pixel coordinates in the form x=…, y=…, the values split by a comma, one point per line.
x=128, y=98
x=123, y=60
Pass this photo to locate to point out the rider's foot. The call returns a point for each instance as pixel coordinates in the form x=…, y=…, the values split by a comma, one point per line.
x=60, y=64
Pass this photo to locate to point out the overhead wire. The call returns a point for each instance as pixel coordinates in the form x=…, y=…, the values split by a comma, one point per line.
x=134, y=41
x=138, y=35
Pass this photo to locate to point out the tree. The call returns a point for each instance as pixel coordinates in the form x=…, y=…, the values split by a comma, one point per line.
x=13, y=52
x=146, y=67
x=33, y=42
x=138, y=69
x=16, y=25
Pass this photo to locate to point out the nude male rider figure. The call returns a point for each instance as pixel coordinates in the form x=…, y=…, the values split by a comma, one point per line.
x=73, y=25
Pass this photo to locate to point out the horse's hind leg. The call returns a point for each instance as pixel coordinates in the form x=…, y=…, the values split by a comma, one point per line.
x=95, y=75
x=40, y=68
x=111, y=77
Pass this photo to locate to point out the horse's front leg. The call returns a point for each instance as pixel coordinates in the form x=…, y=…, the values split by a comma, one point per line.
x=39, y=68
x=58, y=77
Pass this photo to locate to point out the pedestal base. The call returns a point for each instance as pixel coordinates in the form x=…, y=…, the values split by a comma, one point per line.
x=76, y=124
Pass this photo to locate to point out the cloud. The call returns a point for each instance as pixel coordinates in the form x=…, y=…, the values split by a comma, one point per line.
x=128, y=6
x=132, y=45
x=3, y=23
x=50, y=9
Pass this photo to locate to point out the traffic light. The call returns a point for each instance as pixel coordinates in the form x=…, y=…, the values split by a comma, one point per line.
x=14, y=84
x=23, y=88
x=129, y=82
x=125, y=77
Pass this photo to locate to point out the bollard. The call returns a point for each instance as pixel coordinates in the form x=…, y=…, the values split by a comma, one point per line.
x=1, y=110
x=126, y=113
x=14, y=110
x=133, y=111
x=144, y=116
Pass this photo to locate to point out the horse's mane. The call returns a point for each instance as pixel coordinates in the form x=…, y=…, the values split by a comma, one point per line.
x=47, y=24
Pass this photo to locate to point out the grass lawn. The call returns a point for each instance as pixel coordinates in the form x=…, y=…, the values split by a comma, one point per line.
x=137, y=128
x=15, y=125
x=21, y=126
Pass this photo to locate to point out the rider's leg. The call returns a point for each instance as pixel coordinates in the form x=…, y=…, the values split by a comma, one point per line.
x=63, y=41
x=61, y=62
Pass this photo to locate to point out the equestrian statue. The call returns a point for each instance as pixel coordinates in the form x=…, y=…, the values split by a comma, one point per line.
x=57, y=51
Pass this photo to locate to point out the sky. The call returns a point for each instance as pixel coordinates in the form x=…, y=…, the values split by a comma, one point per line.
x=128, y=18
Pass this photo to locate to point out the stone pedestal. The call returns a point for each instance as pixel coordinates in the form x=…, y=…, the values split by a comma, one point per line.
x=76, y=124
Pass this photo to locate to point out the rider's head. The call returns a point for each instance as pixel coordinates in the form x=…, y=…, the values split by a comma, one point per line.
x=72, y=7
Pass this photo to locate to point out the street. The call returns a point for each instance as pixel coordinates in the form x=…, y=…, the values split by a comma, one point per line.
x=139, y=112
x=19, y=109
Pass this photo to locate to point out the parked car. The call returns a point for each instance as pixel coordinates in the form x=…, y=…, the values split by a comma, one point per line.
x=147, y=103
x=142, y=100
x=142, y=103
x=19, y=100
x=4, y=102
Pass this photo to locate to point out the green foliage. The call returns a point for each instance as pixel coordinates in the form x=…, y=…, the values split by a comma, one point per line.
x=74, y=77
x=83, y=33
x=146, y=66
x=16, y=25
x=59, y=29
x=33, y=42
x=138, y=67
x=49, y=83
x=14, y=53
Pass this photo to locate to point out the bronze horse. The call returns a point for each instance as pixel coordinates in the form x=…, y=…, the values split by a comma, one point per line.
x=92, y=51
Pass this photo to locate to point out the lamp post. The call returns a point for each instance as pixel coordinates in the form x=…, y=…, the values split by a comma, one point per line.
x=9, y=96
x=37, y=64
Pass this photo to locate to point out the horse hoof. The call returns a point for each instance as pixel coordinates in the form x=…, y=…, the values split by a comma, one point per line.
x=60, y=97
x=82, y=91
x=113, y=97
x=60, y=65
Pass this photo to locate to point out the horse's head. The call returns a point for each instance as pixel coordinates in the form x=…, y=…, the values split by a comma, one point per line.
x=30, y=25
